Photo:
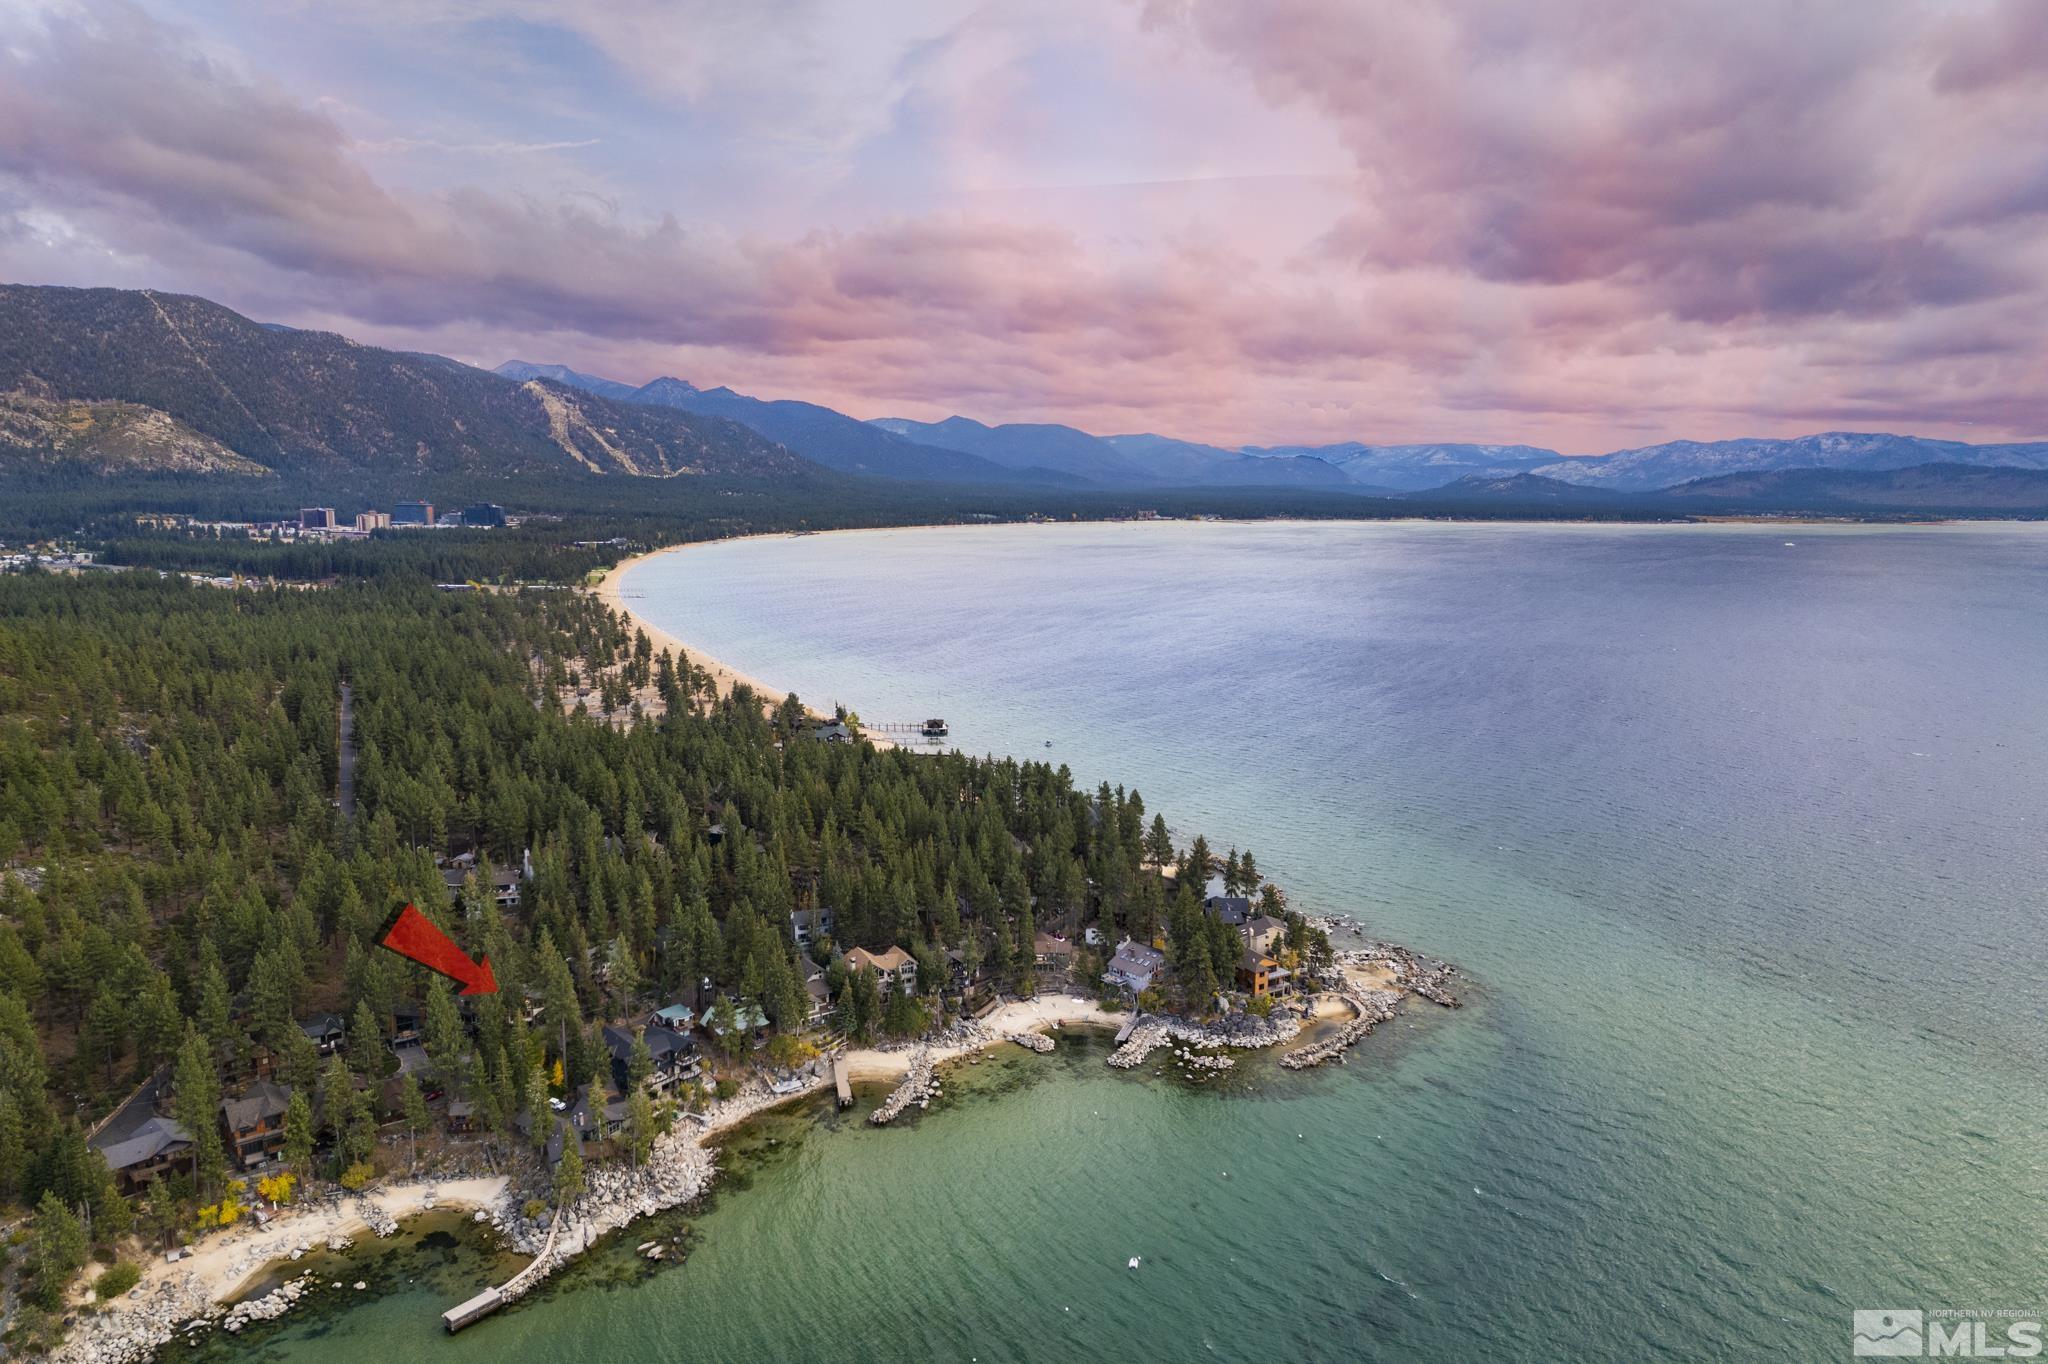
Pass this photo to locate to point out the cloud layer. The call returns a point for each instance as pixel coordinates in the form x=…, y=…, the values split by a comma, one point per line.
x=1587, y=224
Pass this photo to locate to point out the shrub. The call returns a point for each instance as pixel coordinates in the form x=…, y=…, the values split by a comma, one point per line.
x=124, y=1275
x=356, y=1176
x=534, y=1209
x=728, y=1088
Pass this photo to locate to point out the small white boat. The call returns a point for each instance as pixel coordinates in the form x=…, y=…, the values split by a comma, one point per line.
x=1134, y=1262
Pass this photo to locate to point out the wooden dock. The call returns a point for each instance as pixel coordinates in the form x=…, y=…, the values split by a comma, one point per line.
x=840, y=1083
x=1123, y=1034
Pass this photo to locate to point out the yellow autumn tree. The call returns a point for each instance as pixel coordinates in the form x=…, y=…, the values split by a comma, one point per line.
x=229, y=1210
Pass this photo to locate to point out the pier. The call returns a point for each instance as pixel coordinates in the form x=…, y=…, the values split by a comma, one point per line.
x=841, y=1085
x=933, y=728
x=491, y=1299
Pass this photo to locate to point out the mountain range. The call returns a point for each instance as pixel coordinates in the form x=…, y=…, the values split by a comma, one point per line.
x=960, y=449
x=109, y=380
x=251, y=398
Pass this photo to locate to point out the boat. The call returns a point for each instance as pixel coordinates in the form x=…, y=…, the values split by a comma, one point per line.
x=1048, y=743
x=1134, y=1262
x=936, y=729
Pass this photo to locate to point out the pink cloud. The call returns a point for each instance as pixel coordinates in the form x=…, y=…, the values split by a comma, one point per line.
x=1574, y=224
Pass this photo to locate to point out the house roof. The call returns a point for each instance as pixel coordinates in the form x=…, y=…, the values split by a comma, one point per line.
x=259, y=1103
x=1046, y=945
x=321, y=1025
x=662, y=1043
x=1256, y=961
x=895, y=959
x=156, y=1137
x=559, y=1139
x=1266, y=923
x=750, y=1016
x=1233, y=909
x=676, y=1013
x=1136, y=959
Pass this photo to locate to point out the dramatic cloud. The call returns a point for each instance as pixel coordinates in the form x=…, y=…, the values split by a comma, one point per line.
x=1584, y=224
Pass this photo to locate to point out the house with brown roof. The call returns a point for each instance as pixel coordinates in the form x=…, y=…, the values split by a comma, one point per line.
x=1053, y=953
x=1258, y=974
x=895, y=968
x=253, y=1123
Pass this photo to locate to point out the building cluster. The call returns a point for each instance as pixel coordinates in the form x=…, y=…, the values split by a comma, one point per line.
x=405, y=516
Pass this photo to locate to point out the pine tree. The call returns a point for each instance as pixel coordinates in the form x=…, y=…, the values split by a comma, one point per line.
x=568, y=1174
x=640, y=1125
x=298, y=1134
x=366, y=1049
x=56, y=1253
x=412, y=1104
x=195, y=1104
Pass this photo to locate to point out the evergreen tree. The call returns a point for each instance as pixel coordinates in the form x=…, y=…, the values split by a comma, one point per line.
x=412, y=1106
x=640, y=1125
x=569, y=1174
x=195, y=1103
x=298, y=1134
x=365, y=1046
x=56, y=1253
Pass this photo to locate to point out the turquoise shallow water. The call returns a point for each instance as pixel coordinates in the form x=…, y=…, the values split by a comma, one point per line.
x=1738, y=838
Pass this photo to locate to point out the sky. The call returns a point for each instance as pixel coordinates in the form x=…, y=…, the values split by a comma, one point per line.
x=1583, y=224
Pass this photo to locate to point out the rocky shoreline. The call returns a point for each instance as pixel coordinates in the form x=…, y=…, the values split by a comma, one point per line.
x=679, y=1169
x=919, y=1087
x=682, y=1167
x=1245, y=1031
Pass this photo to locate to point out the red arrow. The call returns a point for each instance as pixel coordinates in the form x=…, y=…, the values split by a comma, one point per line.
x=412, y=934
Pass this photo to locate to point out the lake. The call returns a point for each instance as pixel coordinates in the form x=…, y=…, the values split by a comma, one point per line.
x=1735, y=830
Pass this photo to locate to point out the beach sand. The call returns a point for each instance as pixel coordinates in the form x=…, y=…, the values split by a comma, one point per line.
x=221, y=1266
x=1019, y=1015
x=723, y=675
x=609, y=591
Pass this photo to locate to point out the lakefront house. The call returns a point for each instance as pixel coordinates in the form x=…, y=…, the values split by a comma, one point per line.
x=896, y=968
x=253, y=1123
x=1134, y=966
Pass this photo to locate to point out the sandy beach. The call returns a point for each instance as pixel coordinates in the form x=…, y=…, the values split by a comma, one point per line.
x=1019, y=1015
x=610, y=591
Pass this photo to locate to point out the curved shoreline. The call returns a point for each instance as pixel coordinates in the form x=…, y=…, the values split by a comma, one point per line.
x=610, y=591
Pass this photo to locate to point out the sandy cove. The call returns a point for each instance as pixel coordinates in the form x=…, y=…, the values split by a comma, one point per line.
x=610, y=591
x=1019, y=1015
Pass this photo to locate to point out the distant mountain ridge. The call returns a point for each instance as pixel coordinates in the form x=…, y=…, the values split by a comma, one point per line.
x=1681, y=461
x=819, y=434
x=109, y=381
x=960, y=449
x=293, y=400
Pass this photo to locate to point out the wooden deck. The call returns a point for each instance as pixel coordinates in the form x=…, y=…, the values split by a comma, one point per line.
x=840, y=1083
